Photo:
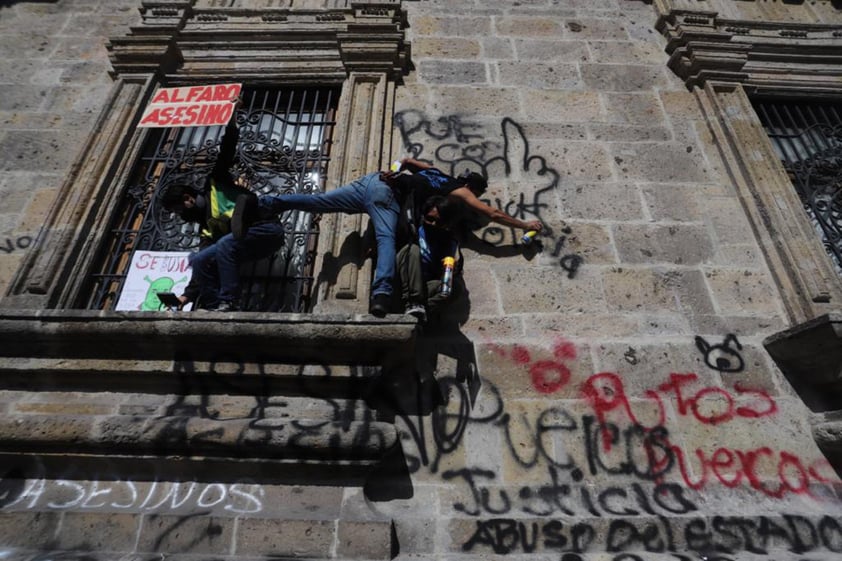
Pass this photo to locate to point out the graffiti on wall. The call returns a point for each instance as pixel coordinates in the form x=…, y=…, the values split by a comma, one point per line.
x=127, y=495
x=724, y=356
x=719, y=537
x=630, y=439
x=455, y=144
x=648, y=498
x=13, y=244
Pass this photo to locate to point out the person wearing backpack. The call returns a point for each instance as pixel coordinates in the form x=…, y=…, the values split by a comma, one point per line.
x=424, y=180
x=421, y=262
x=211, y=203
x=380, y=195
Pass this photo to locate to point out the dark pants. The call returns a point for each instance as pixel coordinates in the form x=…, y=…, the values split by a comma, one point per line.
x=216, y=268
x=415, y=289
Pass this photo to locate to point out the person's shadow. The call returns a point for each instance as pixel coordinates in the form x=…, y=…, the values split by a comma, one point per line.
x=410, y=387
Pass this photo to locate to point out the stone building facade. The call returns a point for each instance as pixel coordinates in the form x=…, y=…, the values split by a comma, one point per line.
x=655, y=377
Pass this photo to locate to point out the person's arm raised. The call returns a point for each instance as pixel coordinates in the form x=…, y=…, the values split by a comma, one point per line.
x=494, y=214
x=412, y=162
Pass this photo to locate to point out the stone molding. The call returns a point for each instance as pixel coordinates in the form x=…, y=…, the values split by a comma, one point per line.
x=257, y=337
x=87, y=197
x=759, y=55
x=130, y=436
x=808, y=283
x=724, y=61
x=364, y=128
x=182, y=41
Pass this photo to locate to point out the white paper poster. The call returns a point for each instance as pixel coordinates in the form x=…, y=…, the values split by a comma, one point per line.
x=152, y=272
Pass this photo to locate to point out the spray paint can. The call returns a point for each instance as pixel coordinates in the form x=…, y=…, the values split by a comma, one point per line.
x=447, y=276
x=528, y=236
x=396, y=166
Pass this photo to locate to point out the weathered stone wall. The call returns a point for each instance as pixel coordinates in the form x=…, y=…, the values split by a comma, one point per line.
x=53, y=83
x=649, y=271
x=603, y=396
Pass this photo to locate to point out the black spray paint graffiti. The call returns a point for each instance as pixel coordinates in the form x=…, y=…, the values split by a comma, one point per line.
x=640, y=513
x=461, y=145
x=559, y=498
x=450, y=422
x=718, y=535
x=722, y=357
x=564, y=492
x=20, y=243
x=351, y=430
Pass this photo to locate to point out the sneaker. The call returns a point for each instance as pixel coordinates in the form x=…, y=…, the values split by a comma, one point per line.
x=379, y=305
x=417, y=311
x=226, y=306
x=245, y=214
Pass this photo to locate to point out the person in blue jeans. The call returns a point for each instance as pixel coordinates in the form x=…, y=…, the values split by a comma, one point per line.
x=215, y=280
x=369, y=194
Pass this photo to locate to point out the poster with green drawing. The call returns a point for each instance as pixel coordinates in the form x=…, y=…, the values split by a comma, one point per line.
x=152, y=272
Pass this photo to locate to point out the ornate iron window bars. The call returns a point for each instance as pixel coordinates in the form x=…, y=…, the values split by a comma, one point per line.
x=285, y=141
x=808, y=139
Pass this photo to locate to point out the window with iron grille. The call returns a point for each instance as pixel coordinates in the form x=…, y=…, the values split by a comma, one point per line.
x=807, y=137
x=284, y=147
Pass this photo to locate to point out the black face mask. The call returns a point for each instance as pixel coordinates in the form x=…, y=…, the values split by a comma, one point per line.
x=201, y=202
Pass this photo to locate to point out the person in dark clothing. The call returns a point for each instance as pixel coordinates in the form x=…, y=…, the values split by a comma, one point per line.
x=369, y=194
x=215, y=282
x=421, y=261
x=379, y=195
x=424, y=180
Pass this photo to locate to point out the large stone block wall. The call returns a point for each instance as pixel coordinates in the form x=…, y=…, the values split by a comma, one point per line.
x=617, y=403
x=650, y=279
x=53, y=84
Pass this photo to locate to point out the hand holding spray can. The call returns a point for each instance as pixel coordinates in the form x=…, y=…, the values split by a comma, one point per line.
x=528, y=236
x=447, y=276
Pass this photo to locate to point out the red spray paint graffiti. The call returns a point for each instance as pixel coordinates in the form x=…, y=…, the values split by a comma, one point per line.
x=547, y=376
x=785, y=472
x=731, y=467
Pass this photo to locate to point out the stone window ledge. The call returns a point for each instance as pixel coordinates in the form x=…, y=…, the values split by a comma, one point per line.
x=249, y=336
x=810, y=356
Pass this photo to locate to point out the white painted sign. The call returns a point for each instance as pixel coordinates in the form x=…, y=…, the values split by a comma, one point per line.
x=191, y=106
x=152, y=272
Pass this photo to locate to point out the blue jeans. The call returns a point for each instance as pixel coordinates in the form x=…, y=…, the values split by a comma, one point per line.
x=367, y=194
x=216, y=268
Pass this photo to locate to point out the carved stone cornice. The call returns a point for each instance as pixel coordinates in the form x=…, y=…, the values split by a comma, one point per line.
x=149, y=47
x=188, y=43
x=703, y=47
